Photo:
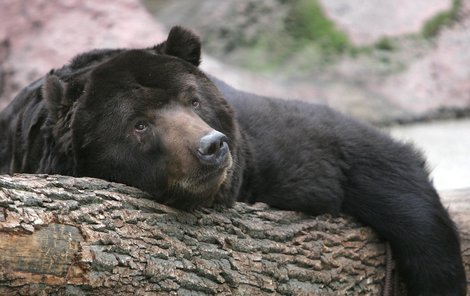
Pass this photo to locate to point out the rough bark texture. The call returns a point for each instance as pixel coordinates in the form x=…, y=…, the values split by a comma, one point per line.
x=458, y=203
x=81, y=236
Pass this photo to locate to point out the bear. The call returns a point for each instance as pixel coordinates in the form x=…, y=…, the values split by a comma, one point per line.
x=150, y=118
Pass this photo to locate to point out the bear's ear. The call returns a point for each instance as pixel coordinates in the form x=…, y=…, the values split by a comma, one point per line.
x=182, y=43
x=53, y=92
x=60, y=96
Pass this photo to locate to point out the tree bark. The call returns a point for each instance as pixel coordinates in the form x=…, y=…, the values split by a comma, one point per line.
x=81, y=236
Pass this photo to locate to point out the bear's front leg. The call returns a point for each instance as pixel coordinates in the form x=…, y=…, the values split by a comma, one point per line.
x=400, y=203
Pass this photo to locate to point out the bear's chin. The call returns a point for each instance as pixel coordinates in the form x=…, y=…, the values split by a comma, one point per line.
x=197, y=191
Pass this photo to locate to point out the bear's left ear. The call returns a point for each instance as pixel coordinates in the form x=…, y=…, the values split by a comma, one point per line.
x=182, y=43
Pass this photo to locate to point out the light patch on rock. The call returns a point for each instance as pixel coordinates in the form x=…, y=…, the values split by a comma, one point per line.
x=365, y=23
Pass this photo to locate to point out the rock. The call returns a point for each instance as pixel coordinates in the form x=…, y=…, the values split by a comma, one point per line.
x=39, y=35
x=366, y=21
x=440, y=79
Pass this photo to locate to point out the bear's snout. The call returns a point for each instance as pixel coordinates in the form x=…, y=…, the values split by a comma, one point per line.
x=198, y=156
x=213, y=149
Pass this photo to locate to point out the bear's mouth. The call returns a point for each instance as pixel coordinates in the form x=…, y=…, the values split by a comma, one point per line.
x=207, y=179
x=199, y=188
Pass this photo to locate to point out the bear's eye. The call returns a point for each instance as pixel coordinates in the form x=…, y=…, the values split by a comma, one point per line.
x=195, y=102
x=141, y=126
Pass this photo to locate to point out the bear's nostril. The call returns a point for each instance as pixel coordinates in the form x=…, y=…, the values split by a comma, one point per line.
x=212, y=147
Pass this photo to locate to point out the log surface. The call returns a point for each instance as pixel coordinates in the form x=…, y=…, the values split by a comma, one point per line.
x=82, y=236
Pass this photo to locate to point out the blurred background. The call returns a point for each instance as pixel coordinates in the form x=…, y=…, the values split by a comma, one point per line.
x=401, y=65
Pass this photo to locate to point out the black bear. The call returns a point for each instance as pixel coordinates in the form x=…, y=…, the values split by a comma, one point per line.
x=151, y=119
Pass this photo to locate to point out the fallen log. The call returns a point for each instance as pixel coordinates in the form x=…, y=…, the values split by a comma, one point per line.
x=82, y=236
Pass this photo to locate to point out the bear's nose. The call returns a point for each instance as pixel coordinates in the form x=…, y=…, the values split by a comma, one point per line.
x=212, y=148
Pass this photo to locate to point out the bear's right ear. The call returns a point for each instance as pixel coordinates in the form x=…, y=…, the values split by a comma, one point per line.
x=182, y=43
x=53, y=92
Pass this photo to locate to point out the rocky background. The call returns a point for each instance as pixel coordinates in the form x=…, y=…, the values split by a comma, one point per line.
x=399, y=61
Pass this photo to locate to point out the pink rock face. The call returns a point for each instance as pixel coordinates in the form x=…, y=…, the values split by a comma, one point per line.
x=366, y=21
x=439, y=79
x=36, y=36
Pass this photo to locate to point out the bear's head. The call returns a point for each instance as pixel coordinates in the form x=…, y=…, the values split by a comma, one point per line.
x=150, y=119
